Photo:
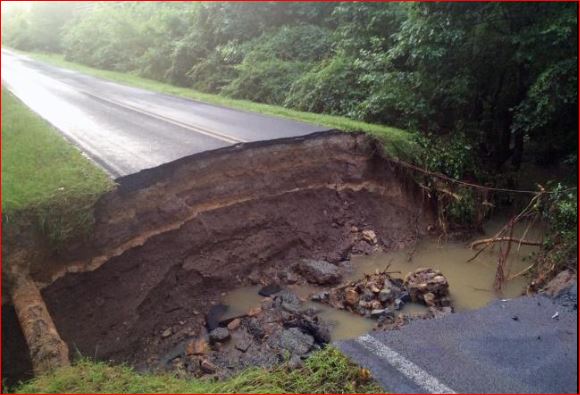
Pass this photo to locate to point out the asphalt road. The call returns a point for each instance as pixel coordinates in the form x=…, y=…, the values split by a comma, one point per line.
x=126, y=129
x=512, y=346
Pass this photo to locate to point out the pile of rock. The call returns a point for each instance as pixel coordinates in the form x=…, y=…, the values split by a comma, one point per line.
x=281, y=328
x=428, y=286
x=379, y=295
x=375, y=296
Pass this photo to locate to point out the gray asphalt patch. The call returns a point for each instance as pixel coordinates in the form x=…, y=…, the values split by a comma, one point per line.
x=512, y=346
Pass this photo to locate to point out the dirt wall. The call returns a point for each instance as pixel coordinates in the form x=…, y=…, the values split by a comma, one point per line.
x=170, y=240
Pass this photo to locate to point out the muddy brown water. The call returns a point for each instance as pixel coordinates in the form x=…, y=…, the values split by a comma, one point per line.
x=470, y=283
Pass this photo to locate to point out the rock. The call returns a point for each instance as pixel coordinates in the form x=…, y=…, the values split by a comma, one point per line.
x=208, y=367
x=429, y=299
x=219, y=335
x=311, y=326
x=243, y=343
x=295, y=341
x=214, y=316
x=255, y=328
x=375, y=305
x=289, y=297
x=288, y=277
x=354, y=229
x=377, y=313
x=291, y=308
x=386, y=295
x=367, y=295
x=429, y=286
x=166, y=333
x=254, y=311
x=319, y=272
x=399, y=304
x=320, y=297
x=369, y=236
x=269, y=290
x=234, y=324
x=196, y=347
x=351, y=297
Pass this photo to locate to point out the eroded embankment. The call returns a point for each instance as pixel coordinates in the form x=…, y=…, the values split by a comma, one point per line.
x=170, y=240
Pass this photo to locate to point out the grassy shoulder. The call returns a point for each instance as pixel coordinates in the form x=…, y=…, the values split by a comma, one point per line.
x=327, y=371
x=397, y=142
x=44, y=174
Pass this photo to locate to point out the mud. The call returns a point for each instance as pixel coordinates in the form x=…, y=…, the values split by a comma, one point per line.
x=170, y=241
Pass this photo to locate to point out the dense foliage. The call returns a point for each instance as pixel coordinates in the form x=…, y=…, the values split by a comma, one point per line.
x=504, y=76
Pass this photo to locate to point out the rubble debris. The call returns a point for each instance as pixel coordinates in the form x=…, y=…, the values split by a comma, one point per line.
x=429, y=286
x=379, y=295
x=281, y=328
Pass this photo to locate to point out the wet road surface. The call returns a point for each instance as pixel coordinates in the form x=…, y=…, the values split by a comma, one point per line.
x=127, y=129
x=512, y=346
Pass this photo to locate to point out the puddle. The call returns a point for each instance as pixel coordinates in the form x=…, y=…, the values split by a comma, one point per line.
x=470, y=283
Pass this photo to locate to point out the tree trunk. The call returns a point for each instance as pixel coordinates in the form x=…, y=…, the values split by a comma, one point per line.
x=47, y=350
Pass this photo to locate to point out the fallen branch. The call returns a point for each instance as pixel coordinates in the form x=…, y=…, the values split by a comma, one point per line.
x=504, y=238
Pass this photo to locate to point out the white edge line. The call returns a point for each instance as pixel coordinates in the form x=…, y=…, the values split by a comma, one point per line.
x=404, y=366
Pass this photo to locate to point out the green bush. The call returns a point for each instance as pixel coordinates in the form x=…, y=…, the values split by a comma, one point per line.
x=331, y=87
x=266, y=81
x=275, y=61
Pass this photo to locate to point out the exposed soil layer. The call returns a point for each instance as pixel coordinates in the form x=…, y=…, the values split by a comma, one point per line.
x=170, y=240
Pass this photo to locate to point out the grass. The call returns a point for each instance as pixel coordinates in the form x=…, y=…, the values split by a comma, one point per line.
x=327, y=371
x=397, y=142
x=44, y=175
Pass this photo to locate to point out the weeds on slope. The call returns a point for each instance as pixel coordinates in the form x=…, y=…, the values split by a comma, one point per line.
x=327, y=371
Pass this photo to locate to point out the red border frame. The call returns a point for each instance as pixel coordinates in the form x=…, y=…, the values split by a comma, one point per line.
x=255, y=1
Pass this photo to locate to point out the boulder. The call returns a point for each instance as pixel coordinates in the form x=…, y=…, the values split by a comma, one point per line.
x=294, y=341
x=319, y=272
x=219, y=335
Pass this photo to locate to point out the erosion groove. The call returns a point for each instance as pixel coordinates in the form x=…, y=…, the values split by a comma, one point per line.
x=168, y=241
